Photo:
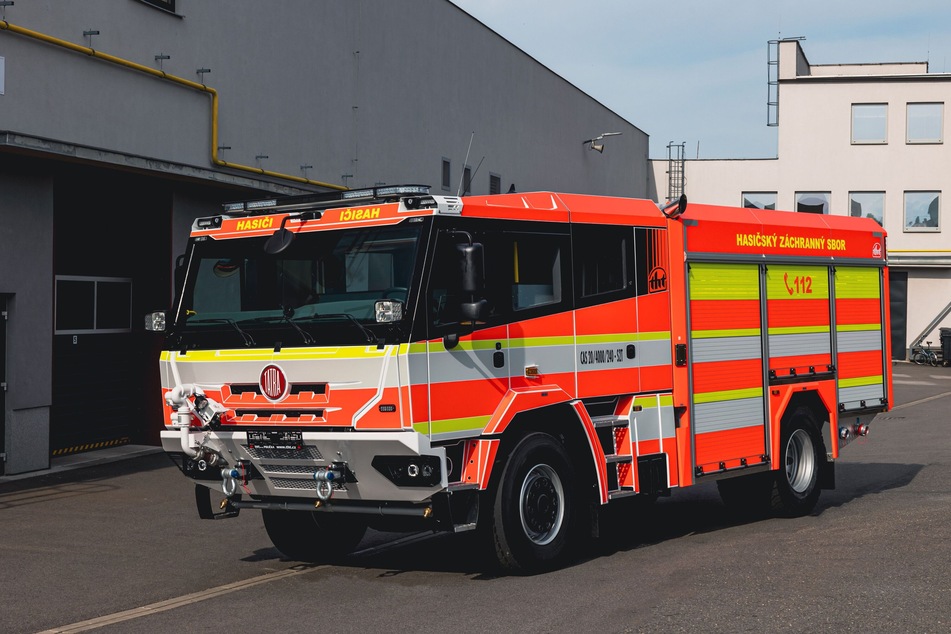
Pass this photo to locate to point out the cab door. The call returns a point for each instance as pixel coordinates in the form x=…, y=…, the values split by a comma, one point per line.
x=467, y=365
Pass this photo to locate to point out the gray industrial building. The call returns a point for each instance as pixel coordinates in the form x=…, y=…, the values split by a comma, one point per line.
x=123, y=120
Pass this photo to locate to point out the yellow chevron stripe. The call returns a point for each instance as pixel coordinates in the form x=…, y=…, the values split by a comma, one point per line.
x=860, y=381
x=470, y=423
x=853, y=282
x=728, y=395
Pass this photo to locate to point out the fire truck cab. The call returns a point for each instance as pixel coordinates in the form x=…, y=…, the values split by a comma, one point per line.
x=516, y=363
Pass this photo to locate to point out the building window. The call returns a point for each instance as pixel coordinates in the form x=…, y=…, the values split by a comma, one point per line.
x=925, y=123
x=86, y=305
x=759, y=200
x=467, y=181
x=813, y=202
x=446, y=174
x=868, y=123
x=495, y=184
x=921, y=211
x=868, y=205
x=168, y=5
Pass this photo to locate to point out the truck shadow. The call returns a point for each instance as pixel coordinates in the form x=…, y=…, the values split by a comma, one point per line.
x=697, y=509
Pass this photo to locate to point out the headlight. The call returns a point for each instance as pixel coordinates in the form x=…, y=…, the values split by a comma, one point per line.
x=388, y=310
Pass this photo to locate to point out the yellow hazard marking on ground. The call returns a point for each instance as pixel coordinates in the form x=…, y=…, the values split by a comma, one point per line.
x=102, y=444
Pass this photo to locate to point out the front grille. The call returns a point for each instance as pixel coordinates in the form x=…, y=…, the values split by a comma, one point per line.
x=302, y=485
x=309, y=452
x=288, y=469
x=296, y=388
x=267, y=413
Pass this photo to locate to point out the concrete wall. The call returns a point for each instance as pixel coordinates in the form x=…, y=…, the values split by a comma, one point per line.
x=363, y=91
x=381, y=91
x=26, y=260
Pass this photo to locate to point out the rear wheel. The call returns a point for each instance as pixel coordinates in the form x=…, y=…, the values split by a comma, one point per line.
x=535, y=511
x=801, y=454
x=313, y=537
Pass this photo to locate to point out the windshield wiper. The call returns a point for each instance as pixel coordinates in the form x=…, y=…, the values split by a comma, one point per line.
x=248, y=339
x=371, y=338
x=287, y=312
x=285, y=316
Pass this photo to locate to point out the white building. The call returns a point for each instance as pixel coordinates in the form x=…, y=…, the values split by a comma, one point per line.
x=859, y=139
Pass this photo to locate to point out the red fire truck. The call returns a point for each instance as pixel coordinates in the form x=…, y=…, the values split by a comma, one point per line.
x=514, y=364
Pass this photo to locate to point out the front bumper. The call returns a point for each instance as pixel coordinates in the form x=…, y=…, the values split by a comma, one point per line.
x=289, y=473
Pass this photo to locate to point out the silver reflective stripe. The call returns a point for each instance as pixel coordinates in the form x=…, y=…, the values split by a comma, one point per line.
x=858, y=340
x=723, y=415
x=869, y=393
x=725, y=349
x=793, y=345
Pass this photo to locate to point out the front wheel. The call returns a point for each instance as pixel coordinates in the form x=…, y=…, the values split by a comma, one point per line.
x=919, y=357
x=311, y=536
x=801, y=454
x=536, y=506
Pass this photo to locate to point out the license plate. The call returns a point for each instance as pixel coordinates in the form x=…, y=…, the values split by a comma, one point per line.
x=275, y=439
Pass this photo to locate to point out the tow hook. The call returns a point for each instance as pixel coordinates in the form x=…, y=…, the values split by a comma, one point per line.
x=325, y=478
x=229, y=481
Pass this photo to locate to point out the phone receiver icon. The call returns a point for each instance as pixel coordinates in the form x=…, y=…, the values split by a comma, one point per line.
x=786, y=282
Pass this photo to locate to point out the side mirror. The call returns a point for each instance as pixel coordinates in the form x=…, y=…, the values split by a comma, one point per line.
x=471, y=267
x=472, y=283
x=282, y=238
x=279, y=240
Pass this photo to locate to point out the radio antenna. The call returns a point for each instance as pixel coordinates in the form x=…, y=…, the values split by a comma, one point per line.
x=463, y=174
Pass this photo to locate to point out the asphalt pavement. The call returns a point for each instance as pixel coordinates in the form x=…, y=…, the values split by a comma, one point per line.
x=112, y=543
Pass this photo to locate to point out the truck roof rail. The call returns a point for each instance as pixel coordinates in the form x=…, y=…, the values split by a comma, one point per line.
x=324, y=200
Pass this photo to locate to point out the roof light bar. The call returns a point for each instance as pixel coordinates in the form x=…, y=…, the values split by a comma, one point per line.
x=324, y=200
x=260, y=204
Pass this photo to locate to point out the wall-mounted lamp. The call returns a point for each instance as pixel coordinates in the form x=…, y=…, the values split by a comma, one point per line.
x=599, y=147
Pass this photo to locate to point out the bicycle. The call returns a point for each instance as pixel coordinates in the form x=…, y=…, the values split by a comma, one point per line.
x=923, y=356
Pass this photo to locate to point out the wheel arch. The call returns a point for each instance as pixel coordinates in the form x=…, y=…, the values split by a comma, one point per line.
x=823, y=419
x=563, y=422
x=816, y=402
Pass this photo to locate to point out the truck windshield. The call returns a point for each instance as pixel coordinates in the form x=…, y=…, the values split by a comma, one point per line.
x=321, y=290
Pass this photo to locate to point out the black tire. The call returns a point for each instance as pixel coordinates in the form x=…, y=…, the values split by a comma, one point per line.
x=311, y=536
x=536, y=508
x=919, y=357
x=801, y=454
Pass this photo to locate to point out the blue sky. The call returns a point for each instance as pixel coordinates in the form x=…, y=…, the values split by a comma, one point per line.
x=695, y=71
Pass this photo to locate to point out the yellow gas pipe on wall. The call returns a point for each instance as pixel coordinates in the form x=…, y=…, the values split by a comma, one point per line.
x=6, y=26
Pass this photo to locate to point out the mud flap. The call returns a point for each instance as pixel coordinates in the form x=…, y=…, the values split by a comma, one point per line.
x=205, y=510
x=456, y=511
x=827, y=475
